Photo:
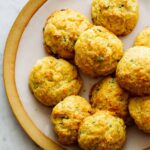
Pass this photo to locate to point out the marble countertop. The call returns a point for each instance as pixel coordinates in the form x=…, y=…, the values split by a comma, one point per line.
x=12, y=136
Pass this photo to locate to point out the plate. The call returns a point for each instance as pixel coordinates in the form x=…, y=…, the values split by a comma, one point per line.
x=24, y=47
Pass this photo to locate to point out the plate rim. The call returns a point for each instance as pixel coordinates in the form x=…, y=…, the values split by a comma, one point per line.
x=9, y=62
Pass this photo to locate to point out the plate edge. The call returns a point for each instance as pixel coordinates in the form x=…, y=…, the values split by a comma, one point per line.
x=9, y=59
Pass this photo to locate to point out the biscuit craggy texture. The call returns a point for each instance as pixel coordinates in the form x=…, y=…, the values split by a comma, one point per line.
x=62, y=30
x=51, y=80
x=97, y=51
x=107, y=95
x=67, y=116
x=143, y=38
x=133, y=71
x=119, y=16
x=102, y=131
x=139, y=108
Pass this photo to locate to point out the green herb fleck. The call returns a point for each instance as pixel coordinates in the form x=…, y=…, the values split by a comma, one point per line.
x=99, y=30
x=112, y=80
x=107, y=7
x=131, y=60
x=121, y=6
x=100, y=59
x=93, y=122
x=77, y=108
x=65, y=39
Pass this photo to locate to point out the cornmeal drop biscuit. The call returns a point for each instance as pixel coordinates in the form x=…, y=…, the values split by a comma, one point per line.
x=61, y=31
x=51, y=80
x=98, y=51
x=102, y=131
x=118, y=16
x=108, y=95
x=143, y=38
x=133, y=71
x=139, y=108
x=67, y=117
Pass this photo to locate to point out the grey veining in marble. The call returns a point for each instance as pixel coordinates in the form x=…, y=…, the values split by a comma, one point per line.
x=12, y=136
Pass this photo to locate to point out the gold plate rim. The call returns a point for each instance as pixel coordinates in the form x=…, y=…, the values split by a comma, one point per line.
x=9, y=60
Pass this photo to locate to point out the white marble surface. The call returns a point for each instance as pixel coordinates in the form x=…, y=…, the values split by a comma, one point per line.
x=12, y=136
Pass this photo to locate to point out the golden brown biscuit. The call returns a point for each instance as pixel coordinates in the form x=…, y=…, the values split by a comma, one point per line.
x=51, y=80
x=102, y=131
x=133, y=71
x=67, y=116
x=139, y=108
x=143, y=38
x=62, y=30
x=107, y=95
x=118, y=16
x=97, y=51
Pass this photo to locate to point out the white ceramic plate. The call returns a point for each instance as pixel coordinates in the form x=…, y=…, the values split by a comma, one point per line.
x=31, y=49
